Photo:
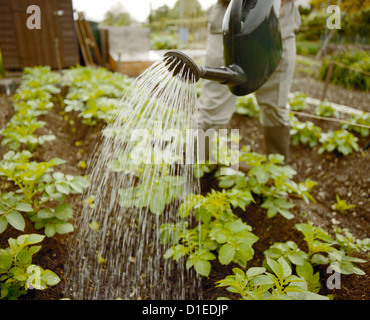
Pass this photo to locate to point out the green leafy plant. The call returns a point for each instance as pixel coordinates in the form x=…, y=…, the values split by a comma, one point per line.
x=267, y=176
x=161, y=42
x=293, y=255
x=54, y=220
x=323, y=249
x=201, y=169
x=278, y=284
x=325, y=109
x=27, y=176
x=277, y=205
x=345, y=73
x=155, y=194
x=236, y=242
x=348, y=243
x=38, y=188
x=94, y=110
x=186, y=242
x=17, y=273
x=268, y=179
x=94, y=93
x=298, y=101
x=276, y=279
x=362, y=119
x=218, y=230
x=247, y=106
x=32, y=108
x=341, y=141
x=38, y=84
x=20, y=130
x=304, y=132
x=307, y=47
x=289, y=251
x=341, y=205
x=234, y=179
x=10, y=207
x=32, y=99
x=312, y=278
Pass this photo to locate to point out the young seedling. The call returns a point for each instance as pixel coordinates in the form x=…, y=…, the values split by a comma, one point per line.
x=304, y=133
x=341, y=140
x=325, y=109
x=247, y=106
x=362, y=119
x=341, y=205
x=298, y=102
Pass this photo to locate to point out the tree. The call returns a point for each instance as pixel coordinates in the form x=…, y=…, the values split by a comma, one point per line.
x=345, y=5
x=159, y=14
x=117, y=16
x=186, y=9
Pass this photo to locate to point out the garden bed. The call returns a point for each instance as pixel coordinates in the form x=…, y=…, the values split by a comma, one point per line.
x=334, y=174
x=347, y=176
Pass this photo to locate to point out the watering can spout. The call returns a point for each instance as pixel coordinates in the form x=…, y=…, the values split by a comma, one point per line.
x=181, y=64
x=252, y=48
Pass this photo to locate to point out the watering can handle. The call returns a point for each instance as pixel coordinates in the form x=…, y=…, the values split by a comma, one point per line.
x=235, y=22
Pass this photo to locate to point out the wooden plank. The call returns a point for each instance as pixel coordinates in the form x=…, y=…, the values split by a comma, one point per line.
x=53, y=32
x=8, y=40
x=27, y=48
x=18, y=27
x=68, y=36
x=82, y=44
x=7, y=34
x=328, y=77
x=85, y=38
x=93, y=43
x=55, y=37
x=104, y=40
x=5, y=16
x=8, y=46
x=37, y=47
x=33, y=37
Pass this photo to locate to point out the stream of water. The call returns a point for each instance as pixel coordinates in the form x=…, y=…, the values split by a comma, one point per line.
x=138, y=177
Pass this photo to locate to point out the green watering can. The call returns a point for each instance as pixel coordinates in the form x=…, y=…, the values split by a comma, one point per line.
x=252, y=48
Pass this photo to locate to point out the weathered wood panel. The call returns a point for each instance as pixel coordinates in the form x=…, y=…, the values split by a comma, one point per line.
x=55, y=44
x=8, y=39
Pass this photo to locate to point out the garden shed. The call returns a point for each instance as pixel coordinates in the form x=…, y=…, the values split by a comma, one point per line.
x=54, y=43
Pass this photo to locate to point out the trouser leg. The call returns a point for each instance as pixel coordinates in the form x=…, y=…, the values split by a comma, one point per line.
x=277, y=141
x=216, y=102
x=273, y=100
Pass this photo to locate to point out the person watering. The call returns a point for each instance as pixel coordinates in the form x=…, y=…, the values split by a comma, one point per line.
x=217, y=103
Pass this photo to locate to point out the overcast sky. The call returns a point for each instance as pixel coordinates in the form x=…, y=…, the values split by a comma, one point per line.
x=139, y=9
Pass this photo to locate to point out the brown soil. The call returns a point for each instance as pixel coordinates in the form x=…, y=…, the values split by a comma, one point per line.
x=347, y=176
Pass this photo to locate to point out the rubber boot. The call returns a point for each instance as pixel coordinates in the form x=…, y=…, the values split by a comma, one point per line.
x=277, y=140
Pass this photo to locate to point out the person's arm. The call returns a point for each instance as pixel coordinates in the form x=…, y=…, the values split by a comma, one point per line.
x=282, y=3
